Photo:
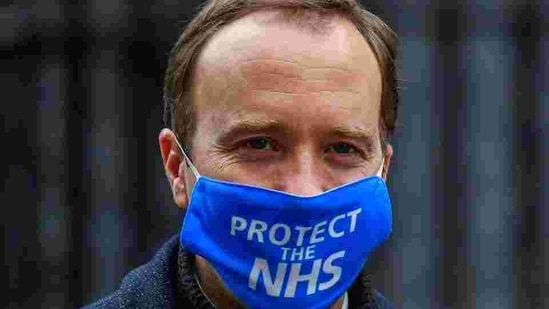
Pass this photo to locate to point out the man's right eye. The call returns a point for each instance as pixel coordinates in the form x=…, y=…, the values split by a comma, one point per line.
x=260, y=143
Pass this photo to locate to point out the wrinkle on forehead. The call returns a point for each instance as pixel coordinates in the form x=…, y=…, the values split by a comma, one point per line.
x=283, y=76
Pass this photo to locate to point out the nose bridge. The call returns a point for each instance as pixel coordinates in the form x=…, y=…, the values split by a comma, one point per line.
x=304, y=176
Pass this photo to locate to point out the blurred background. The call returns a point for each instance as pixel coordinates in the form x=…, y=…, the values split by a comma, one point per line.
x=84, y=198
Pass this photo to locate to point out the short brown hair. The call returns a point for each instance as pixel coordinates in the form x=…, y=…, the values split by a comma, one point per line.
x=217, y=13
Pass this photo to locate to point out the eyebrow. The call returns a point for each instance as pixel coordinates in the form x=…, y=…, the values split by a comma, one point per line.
x=247, y=127
x=368, y=137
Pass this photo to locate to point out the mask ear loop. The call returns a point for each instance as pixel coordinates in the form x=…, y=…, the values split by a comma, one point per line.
x=380, y=171
x=188, y=161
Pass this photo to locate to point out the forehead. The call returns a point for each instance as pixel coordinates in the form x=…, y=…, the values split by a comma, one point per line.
x=264, y=67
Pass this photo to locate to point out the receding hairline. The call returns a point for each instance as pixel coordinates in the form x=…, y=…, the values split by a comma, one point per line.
x=303, y=22
x=312, y=21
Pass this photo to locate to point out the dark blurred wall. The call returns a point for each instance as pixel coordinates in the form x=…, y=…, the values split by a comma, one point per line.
x=84, y=198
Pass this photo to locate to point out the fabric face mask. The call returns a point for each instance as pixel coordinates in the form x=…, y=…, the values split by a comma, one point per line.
x=273, y=249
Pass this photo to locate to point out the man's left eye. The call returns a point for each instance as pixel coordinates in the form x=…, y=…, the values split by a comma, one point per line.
x=260, y=143
x=342, y=148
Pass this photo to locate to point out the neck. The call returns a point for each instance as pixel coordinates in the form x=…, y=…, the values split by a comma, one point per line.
x=218, y=294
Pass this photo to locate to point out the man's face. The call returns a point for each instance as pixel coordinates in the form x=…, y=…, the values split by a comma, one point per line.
x=284, y=108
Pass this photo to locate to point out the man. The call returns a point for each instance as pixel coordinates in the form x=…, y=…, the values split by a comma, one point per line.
x=280, y=113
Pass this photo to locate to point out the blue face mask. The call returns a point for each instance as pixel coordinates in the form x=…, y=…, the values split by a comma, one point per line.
x=273, y=249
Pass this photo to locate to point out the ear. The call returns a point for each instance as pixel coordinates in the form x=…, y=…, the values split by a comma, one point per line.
x=174, y=166
x=387, y=162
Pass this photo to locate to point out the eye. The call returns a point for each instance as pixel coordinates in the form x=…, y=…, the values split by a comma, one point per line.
x=260, y=143
x=342, y=148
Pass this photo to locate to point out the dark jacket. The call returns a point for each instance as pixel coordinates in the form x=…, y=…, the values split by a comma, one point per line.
x=167, y=281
